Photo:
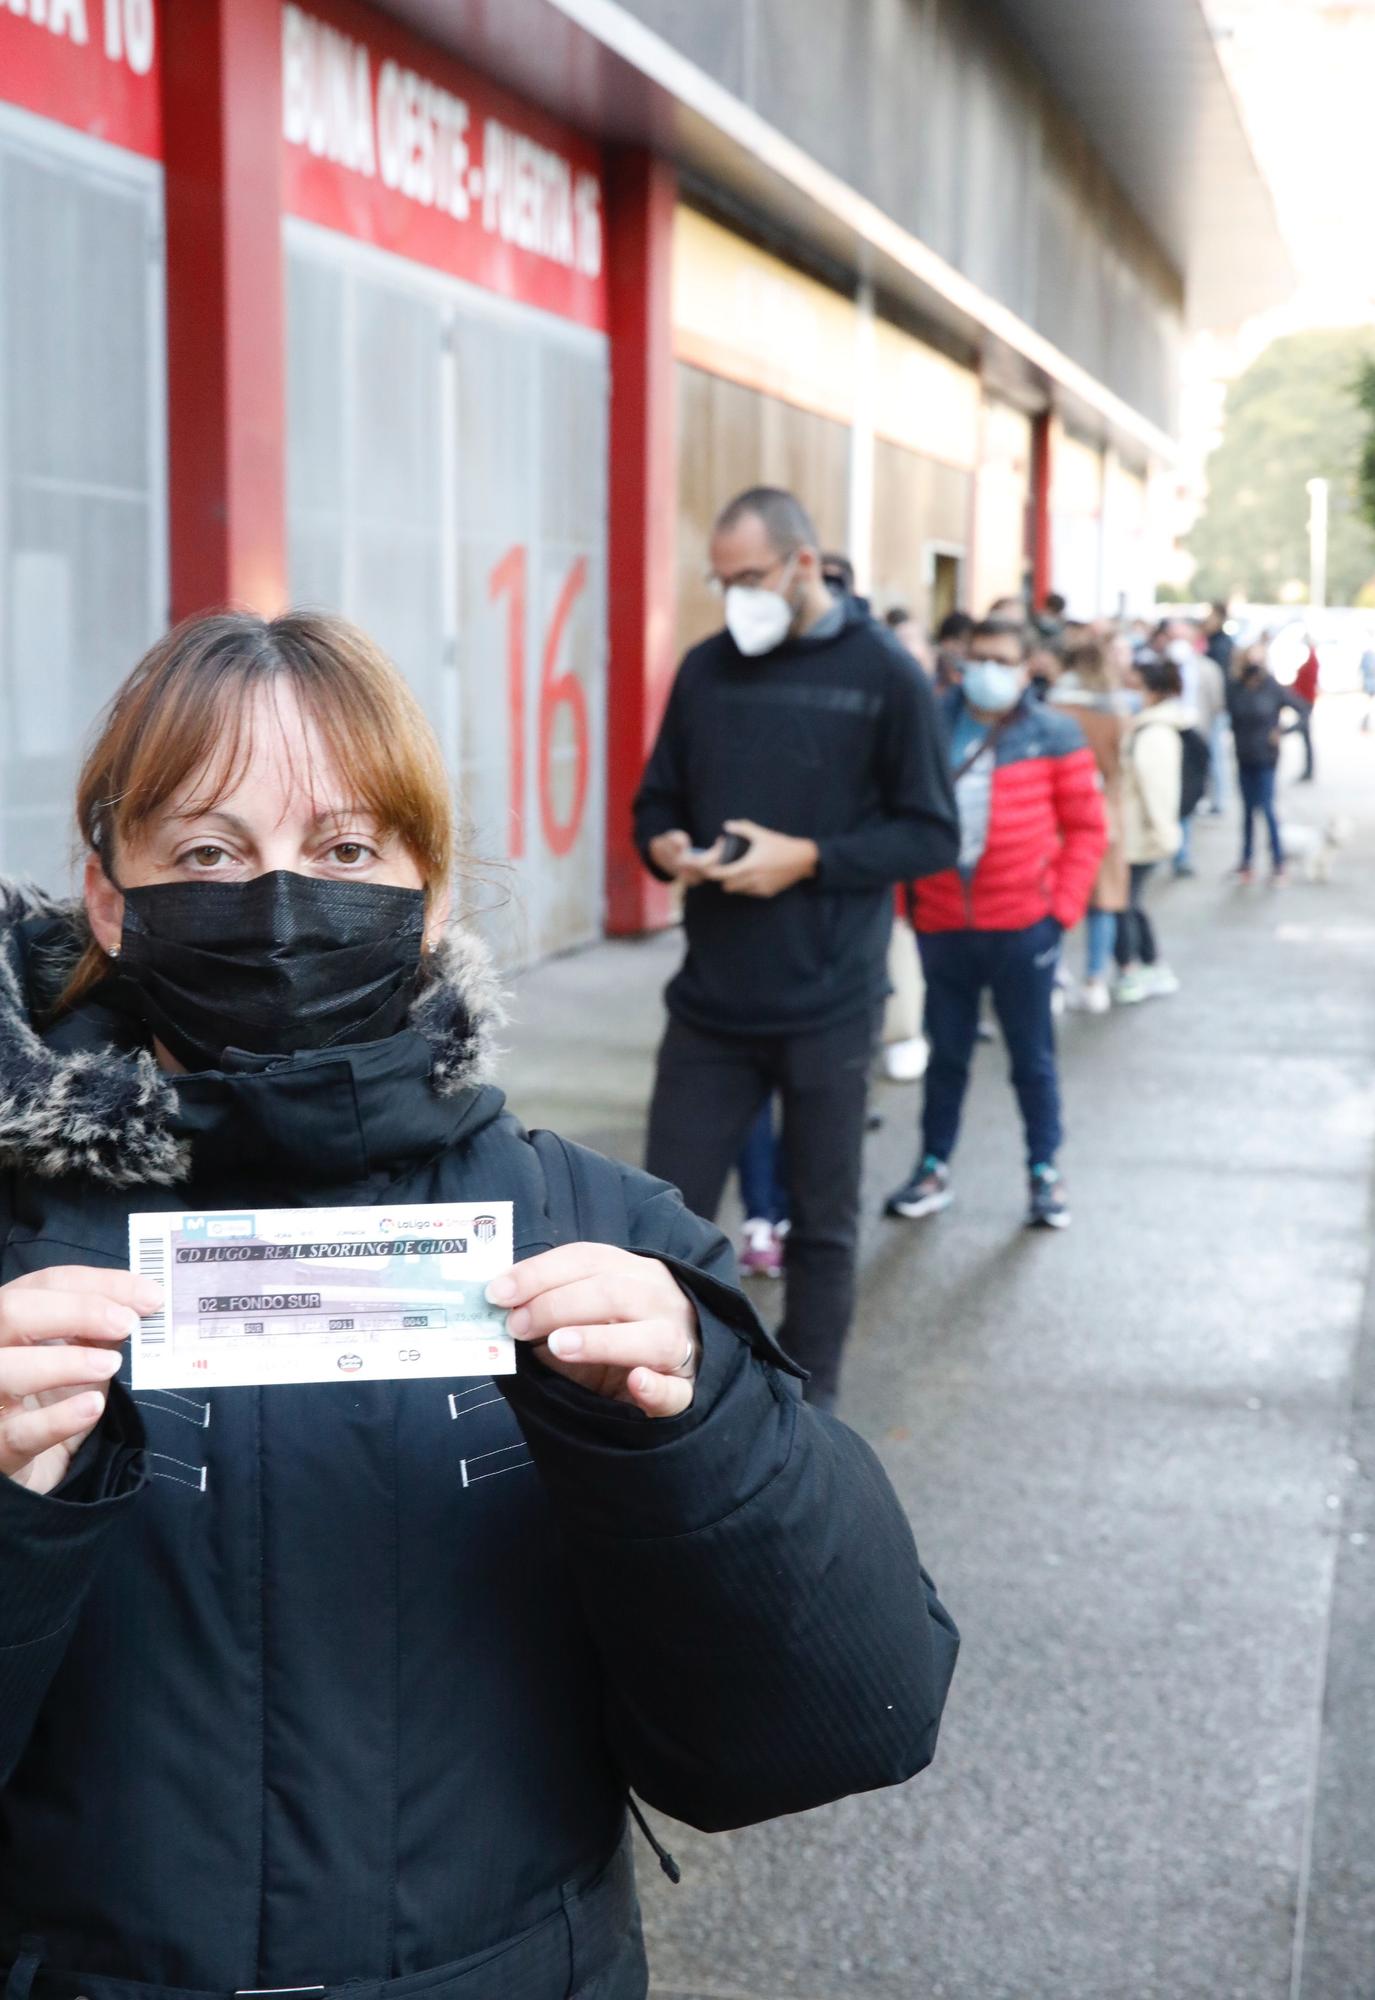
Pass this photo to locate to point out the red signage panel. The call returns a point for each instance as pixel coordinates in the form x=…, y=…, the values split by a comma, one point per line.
x=391, y=141
x=91, y=64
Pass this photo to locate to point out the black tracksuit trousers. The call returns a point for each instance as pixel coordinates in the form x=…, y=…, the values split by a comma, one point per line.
x=707, y=1093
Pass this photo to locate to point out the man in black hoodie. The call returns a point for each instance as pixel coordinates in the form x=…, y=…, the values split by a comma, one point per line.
x=808, y=732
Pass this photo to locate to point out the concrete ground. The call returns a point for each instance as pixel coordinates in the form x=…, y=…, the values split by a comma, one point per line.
x=1140, y=1460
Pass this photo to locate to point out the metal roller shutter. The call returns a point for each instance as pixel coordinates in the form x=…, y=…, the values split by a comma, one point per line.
x=447, y=490
x=82, y=479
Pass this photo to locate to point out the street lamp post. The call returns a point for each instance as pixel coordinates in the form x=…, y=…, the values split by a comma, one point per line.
x=1317, y=543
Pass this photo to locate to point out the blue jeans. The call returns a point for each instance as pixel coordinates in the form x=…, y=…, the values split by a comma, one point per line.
x=760, y=1167
x=1258, y=796
x=1100, y=934
x=1219, y=782
x=1019, y=969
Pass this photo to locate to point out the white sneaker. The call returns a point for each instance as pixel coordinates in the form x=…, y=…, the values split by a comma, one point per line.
x=905, y=1062
x=761, y=1249
x=1159, y=982
x=1131, y=989
x=1094, y=997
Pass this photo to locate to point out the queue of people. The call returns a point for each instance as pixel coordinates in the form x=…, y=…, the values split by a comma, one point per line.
x=828, y=787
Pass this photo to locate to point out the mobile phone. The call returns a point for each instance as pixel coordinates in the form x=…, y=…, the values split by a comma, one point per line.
x=731, y=846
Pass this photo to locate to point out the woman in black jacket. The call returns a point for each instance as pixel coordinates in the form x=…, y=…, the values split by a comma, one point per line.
x=1255, y=701
x=308, y=1685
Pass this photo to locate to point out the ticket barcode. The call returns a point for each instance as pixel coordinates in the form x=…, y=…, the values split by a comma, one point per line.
x=151, y=1262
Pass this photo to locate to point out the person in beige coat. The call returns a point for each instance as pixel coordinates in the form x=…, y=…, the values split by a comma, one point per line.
x=1152, y=768
x=1090, y=689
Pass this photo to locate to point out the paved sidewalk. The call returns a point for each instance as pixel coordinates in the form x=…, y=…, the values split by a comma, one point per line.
x=1139, y=1459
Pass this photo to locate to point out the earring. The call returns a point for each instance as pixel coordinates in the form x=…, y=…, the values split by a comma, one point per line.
x=113, y=951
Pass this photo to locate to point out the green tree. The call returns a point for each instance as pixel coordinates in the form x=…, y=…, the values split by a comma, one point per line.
x=1289, y=418
x=1364, y=387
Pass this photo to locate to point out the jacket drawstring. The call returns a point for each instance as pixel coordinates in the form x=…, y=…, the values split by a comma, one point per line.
x=19, y=1985
x=666, y=1860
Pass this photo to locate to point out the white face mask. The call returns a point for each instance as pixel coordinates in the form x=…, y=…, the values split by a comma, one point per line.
x=991, y=686
x=757, y=619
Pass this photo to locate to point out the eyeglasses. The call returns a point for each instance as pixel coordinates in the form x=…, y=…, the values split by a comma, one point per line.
x=745, y=579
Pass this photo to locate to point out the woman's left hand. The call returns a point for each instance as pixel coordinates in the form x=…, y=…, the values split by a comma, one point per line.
x=612, y=1322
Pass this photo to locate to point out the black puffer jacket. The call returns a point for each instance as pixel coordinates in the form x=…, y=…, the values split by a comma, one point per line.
x=348, y=1683
x=1255, y=702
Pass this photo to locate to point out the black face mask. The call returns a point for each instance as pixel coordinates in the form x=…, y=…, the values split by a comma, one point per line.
x=283, y=963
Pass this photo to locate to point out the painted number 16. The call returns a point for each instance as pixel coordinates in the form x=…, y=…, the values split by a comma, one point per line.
x=556, y=691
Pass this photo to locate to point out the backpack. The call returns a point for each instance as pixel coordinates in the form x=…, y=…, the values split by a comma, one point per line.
x=585, y=1192
x=1195, y=764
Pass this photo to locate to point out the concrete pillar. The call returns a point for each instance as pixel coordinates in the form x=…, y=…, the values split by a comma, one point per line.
x=221, y=85
x=861, y=510
x=641, y=197
x=1041, y=525
x=1112, y=581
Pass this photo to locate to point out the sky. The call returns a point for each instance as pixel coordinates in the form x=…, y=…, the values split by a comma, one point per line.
x=1304, y=74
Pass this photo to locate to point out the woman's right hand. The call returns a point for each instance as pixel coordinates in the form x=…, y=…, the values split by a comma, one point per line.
x=60, y=1336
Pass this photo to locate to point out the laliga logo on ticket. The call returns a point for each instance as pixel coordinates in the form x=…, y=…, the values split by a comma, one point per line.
x=217, y=1227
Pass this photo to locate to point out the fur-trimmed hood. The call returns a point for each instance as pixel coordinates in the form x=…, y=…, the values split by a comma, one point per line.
x=70, y=1104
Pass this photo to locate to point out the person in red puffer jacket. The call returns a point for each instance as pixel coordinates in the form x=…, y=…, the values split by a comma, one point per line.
x=1033, y=831
x=1303, y=697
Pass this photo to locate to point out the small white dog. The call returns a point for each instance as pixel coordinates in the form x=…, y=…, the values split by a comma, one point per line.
x=1312, y=849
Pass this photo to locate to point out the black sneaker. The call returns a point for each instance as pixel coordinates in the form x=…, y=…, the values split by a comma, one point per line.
x=926, y=1193
x=1049, y=1207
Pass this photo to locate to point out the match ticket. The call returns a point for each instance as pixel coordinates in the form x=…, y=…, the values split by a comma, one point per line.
x=271, y=1295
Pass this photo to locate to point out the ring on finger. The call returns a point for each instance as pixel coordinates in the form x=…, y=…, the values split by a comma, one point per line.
x=689, y=1359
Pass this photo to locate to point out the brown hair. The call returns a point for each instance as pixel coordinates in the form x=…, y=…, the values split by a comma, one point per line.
x=185, y=707
x=1159, y=677
x=1091, y=664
